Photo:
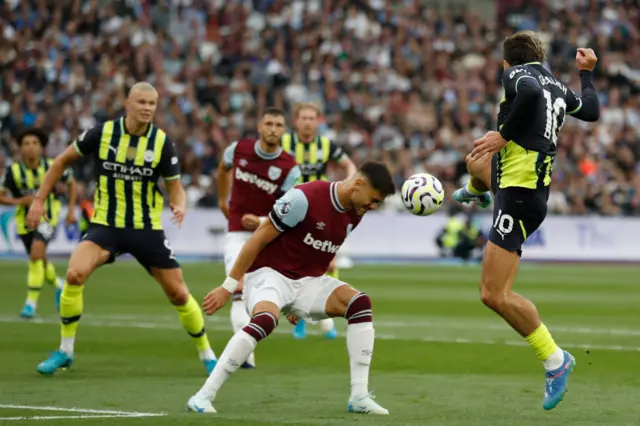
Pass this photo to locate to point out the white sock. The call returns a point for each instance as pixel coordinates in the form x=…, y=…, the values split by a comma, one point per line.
x=206, y=354
x=327, y=325
x=360, y=338
x=66, y=345
x=236, y=352
x=554, y=361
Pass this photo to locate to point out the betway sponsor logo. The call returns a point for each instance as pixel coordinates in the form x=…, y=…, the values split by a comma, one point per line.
x=326, y=245
x=122, y=171
x=256, y=180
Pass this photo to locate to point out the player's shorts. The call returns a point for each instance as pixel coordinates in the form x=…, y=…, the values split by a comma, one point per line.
x=305, y=298
x=150, y=247
x=233, y=243
x=44, y=233
x=517, y=213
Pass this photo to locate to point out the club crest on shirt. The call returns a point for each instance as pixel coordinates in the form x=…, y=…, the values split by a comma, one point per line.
x=148, y=156
x=274, y=172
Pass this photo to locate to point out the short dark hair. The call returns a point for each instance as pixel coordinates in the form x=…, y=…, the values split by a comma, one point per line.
x=34, y=131
x=275, y=112
x=379, y=177
x=523, y=47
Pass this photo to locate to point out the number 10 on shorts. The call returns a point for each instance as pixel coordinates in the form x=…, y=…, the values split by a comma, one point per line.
x=503, y=223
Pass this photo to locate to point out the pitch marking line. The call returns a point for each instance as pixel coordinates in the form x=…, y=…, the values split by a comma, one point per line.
x=88, y=413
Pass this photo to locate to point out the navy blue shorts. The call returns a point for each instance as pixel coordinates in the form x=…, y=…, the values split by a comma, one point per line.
x=150, y=247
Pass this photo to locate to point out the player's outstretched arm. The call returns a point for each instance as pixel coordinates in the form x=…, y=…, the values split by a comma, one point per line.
x=72, y=189
x=53, y=175
x=219, y=297
x=587, y=107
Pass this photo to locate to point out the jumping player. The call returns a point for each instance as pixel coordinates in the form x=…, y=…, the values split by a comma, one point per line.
x=314, y=153
x=531, y=115
x=261, y=172
x=285, y=262
x=21, y=181
x=131, y=154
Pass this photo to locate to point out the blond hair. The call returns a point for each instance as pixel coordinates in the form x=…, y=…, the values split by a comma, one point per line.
x=305, y=105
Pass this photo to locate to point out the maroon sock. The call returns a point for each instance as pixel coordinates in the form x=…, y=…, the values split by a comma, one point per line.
x=359, y=309
x=262, y=324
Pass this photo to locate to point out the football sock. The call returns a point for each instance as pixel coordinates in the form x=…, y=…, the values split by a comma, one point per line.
x=239, y=316
x=242, y=344
x=360, y=339
x=50, y=274
x=545, y=347
x=71, y=305
x=193, y=322
x=472, y=190
x=327, y=325
x=35, y=280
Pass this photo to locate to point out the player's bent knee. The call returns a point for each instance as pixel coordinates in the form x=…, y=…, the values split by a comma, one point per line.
x=492, y=298
x=261, y=325
x=338, y=302
x=266, y=306
x=77, y=276
x=178, y=294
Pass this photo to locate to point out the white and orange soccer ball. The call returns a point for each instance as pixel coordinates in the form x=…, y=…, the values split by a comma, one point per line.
x=422, y=194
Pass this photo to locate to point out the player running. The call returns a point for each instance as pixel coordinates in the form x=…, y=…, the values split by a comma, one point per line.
x=531, y=115
x=131, y=154
x=22, y=180
x=285, y=261
x=314, y=153
x=261, y=173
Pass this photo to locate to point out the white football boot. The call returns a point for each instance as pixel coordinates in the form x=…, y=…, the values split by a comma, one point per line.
x=200, y=405
x=366, y=405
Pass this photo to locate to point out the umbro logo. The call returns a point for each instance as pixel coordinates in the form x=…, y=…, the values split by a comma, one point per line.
x=320, y=225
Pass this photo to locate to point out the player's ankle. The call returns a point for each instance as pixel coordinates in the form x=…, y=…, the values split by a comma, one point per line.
x=555, y=360
x=359, y=390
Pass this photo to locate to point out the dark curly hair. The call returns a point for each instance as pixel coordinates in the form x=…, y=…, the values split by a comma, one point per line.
x=34, y=131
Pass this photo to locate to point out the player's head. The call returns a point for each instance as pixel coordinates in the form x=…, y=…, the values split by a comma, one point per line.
x=142, y=102
x=306, y=117
x=32, y=142
x=521, y=48
x=272, y=126
x=368, y=188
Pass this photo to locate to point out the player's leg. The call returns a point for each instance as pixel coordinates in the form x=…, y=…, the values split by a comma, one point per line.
x=328, y=325
x=172, y=282
x=35, y=279
x=517, y=215
x=238, y=312
x=266, y=292
x=88, y=255
x=324, y=297
x=478, y=185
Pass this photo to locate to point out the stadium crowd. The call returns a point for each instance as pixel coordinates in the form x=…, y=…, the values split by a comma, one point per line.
x=407, y=83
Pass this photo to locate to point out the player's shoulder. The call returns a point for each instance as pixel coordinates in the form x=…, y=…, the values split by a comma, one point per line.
x=314, y=187
x=287, y=158
x=515, y=72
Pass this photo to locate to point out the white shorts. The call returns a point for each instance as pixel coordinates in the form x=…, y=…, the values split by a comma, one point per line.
x=233, y=243
x=305, y=298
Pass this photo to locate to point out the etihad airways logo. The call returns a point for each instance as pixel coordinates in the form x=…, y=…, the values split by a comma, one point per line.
x=122, y=171
x=256, y=180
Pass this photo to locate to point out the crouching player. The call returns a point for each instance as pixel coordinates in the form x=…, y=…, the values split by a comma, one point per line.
x=284, y=265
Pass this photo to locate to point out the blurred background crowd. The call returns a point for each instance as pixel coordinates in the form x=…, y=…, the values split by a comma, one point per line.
x=406, y=81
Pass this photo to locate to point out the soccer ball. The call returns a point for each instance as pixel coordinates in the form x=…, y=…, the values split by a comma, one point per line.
x=422, y=194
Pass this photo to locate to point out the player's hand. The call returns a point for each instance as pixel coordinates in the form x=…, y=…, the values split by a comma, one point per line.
x=586, y=59
x=25, y=201
x=250, y=222
x=490, y=143
x=36, y=211
x=71, y=217
x=178, y=214
x=224, y=208
x=293, y=319
x=215, y=300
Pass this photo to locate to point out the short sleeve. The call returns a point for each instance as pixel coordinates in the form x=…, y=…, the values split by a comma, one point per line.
x=292, y=179
x=89, y=141
x=227, y=156
x=574, y=103
x=289, y=210
x=512, y=77
x=169, y=165
x=336, y=153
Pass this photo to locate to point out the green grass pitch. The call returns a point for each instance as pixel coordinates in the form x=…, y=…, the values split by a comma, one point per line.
x=441, y=358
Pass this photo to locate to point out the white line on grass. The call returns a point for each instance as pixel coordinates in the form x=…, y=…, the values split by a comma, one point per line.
x=89, y=413
x=382, y=336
